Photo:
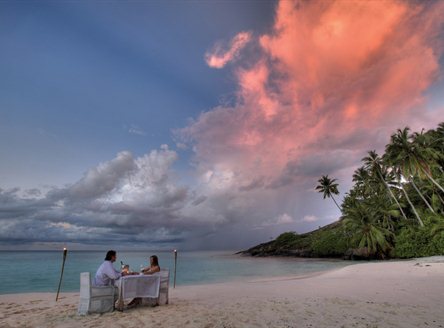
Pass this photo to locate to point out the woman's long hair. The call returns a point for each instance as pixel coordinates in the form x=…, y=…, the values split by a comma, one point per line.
x=155, y=260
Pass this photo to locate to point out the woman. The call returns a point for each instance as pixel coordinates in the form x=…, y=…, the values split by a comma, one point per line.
x=153, y=268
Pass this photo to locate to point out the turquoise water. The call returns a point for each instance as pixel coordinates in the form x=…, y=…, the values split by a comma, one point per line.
x=39, y=271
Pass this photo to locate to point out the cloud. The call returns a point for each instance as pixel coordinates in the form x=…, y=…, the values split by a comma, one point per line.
x=326, y=82
x=134, y=129
x=126, y=200
x=310, y=218
x=221, y=54
x=284, y=219
x=330, y=81
x=103, y=178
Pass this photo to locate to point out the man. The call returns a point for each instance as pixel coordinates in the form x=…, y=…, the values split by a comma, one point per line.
x=106, y=274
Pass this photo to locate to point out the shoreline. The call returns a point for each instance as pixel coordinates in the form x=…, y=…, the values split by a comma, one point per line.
x=298, y=264
x=404, y=293
x=260, y=278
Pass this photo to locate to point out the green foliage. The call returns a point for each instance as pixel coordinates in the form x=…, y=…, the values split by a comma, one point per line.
x=436, y=203
x=414, y=241
x=302, y=242
x=395, y=208
x=418, y=242
x=330, y=243
x=287, y=238
x=328, y=187
x=408, y=165
x=365, y=223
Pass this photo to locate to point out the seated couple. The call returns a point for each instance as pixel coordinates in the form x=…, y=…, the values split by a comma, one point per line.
x=106, y=274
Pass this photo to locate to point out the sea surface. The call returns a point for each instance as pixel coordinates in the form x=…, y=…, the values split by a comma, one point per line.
x=39, y=271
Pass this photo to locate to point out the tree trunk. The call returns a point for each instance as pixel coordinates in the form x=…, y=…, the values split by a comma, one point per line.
x=442, y=201
x=420, y=194
x=433, y=180
x=391, y=194
x=336, y=203
x=413, y=207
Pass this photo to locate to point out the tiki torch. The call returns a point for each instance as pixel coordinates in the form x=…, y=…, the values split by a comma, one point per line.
x=65, y=251
x=175, y=264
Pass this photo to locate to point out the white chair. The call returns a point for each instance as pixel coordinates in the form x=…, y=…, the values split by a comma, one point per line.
x=164, y=286
x=163, y=290
x=95, y=299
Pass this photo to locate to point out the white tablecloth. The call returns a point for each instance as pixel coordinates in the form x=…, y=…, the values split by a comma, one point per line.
x=138, y=286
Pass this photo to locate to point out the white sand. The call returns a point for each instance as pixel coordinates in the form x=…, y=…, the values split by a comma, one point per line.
x=388, y=294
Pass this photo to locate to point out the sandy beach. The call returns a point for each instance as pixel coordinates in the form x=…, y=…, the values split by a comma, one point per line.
x=377, y=294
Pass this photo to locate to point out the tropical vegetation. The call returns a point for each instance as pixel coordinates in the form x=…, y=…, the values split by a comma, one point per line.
x=394, y=209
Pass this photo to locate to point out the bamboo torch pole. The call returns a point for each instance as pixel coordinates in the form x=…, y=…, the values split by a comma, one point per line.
x=175, y=264
x=65, y=251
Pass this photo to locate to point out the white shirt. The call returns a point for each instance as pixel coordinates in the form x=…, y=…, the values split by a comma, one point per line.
x=106, y=274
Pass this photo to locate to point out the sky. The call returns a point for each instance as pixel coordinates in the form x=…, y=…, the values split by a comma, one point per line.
x=200, y=124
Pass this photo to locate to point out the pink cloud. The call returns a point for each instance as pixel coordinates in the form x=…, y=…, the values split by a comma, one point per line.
x=222, y=54
x=335, y=79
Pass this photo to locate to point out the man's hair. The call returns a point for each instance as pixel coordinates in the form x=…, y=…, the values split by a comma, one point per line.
x=109, y=255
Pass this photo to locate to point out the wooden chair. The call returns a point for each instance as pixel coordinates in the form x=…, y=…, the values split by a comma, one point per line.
x=95, y=299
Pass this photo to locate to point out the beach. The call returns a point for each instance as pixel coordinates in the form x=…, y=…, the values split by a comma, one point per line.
x=370, y=294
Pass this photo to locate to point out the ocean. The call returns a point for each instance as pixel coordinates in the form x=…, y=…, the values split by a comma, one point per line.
x=39, y=271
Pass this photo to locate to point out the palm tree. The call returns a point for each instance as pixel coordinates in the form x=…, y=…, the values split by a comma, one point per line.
x=411, y=205
x=440, y=128
x=361, y=177
x=425, y=156
x=399, y=153
x=361, y=220
x=412, y=180
x=373, y=164
x=438, y=145
x=393, y=179
x=328, y=187
x=387, y=213
x=431, y=192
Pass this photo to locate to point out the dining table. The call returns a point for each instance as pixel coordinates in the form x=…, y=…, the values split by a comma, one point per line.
x=132, y=286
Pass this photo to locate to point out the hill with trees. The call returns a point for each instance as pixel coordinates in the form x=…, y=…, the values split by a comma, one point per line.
x=395, y=208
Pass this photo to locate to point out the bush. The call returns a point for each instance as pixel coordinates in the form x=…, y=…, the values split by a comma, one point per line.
x=287, y=238
x=418, y=242
x=329, y=243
